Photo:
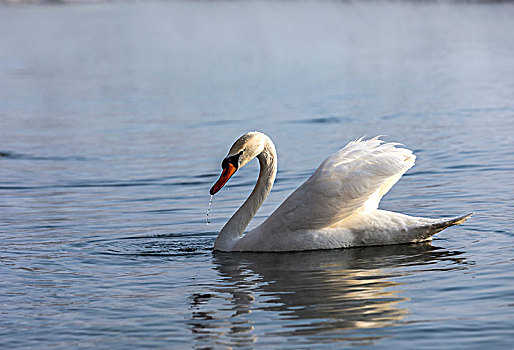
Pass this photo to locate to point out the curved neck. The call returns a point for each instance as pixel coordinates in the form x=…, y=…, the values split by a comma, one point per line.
x=235, y=227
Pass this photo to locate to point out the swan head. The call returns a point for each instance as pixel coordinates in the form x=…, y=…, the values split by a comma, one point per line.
x=247, y=147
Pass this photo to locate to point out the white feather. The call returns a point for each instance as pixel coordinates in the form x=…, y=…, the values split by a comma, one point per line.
x=353, y=179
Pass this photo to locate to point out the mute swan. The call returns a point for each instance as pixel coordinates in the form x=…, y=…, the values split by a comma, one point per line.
x=337, y=207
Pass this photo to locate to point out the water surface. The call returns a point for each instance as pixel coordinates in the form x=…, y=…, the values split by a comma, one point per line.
x=115, y=118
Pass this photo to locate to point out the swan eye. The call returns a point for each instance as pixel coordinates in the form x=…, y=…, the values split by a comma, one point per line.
x=234, y=160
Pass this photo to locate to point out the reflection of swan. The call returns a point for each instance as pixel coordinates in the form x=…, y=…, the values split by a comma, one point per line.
x=335, y=208
x=297, y=297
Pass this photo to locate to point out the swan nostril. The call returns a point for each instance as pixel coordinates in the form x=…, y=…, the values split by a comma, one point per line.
x=226, y=174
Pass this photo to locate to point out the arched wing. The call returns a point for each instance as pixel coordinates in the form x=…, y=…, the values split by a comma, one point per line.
x=353, y=179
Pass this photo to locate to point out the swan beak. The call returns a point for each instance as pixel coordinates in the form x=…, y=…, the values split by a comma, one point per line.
x=225, y=175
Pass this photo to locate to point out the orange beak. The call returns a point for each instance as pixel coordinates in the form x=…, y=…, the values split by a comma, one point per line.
x=226, y=174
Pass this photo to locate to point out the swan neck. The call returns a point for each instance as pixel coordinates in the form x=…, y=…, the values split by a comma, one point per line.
x=235, y=227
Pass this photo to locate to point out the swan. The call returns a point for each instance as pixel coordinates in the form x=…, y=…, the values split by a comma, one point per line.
x=337, y=207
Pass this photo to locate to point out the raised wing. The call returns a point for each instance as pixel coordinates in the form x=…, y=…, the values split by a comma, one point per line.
x=351, y=180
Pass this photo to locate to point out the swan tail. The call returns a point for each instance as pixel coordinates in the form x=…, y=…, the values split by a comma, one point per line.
x=437, y=227
x=460, y=219
x=451, y=222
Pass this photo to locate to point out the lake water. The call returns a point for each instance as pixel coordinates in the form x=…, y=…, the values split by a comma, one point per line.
x=114, y=119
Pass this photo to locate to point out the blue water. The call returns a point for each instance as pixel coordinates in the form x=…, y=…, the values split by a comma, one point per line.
x=114, y=119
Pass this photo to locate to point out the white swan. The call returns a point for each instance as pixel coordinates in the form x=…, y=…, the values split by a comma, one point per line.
x=336, y=207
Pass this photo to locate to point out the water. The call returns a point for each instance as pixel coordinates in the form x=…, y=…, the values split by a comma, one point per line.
x=115, y=118
x=208, y=211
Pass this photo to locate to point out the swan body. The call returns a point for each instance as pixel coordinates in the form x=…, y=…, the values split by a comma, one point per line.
x=337, y=207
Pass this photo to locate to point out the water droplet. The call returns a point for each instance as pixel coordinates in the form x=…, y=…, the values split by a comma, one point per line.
x=208, y=211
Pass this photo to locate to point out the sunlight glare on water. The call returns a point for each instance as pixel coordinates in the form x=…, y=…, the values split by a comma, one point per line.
x=115, y=117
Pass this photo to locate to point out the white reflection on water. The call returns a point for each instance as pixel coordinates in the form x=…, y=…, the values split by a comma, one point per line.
x=338, y=295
